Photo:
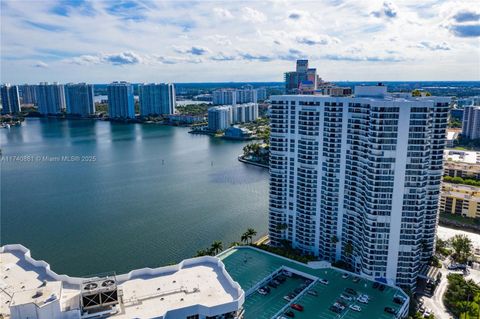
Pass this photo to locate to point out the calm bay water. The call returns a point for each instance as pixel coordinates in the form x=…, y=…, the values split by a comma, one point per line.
x=153, y=196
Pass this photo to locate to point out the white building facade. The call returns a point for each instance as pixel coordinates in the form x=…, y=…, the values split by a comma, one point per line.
x=224, y=97
x=471, y=122
x=358, y=178
x=157, y=99
x=220, y=117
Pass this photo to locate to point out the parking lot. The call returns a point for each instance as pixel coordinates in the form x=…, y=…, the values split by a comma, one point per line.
x=250, y=266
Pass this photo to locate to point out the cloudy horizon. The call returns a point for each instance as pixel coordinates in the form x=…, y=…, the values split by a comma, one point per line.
x=256, y=41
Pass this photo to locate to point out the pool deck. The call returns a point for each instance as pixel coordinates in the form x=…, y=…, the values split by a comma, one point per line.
x=249, y=266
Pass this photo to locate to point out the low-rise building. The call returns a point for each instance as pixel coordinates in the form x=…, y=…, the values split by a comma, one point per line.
x=470, y=157
x=460, y=199
x=185, y=119
x=196, y=288
x=239, y=133
x=463, y=170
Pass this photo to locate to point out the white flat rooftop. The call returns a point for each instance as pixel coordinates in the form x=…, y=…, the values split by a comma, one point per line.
x=470, y=157
x=147, y=292
x=148, y=297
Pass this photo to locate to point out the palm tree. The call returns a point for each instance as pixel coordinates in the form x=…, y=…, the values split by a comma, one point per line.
x=250, y=233
x=201, y=252
x=216, y=247
x=244, y=238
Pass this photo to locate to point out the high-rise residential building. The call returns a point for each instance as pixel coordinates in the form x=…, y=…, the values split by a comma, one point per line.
x=261, y=94
x=79, y=99
x=220, y=117
x=157, y=99
x=471, y=122
x=224, y=97
x=50, y=98
x=121, y=102
x=302, y=80
x=28, y=94
x=246, y=95
x=10, y=99
x=302, y=67
x=357, y=179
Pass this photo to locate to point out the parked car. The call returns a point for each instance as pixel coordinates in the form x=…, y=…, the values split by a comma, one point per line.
x=375, y=285
x=323, y=281
x=290, y=314
x=297, y=307
x=345, y=297
x=335, y=309
x=398, y=300
x=381, y=287
x=262, y=291
x=362, y=300
x=355, y=308
x=345, y=276
x=351, y=291
x=312, y=292
x=389, y=310
x=287, y=273
x=287, y=298
x=272, y=284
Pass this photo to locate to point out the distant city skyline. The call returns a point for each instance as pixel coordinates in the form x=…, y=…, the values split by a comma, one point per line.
x=193, y=41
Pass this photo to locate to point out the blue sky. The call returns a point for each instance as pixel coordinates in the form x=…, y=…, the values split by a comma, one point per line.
x=212, y=41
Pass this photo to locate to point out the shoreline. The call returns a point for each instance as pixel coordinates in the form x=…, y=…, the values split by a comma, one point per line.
x=243, y=160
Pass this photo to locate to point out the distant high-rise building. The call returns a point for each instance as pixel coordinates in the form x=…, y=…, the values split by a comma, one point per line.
x=50, y=98
x=224, y=97
x=244, y=113
x=357, y=179
x=121, y=103
x=246, y=95
x=471, y=122
x=303, y=80
x=28, y=94
x=157, y=99
x=302, y=66
x=220, y=117
x=79, y=99
x=261, y=94
x=10, y=99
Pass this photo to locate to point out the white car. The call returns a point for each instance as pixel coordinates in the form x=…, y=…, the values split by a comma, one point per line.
x=323, y=281
x=345, y=276
x=355, y=308
x=347, y=298
x=427, y=313
x=365, y=296
x=262, y=291
x=287, y=273
x=287, y=298
x=362, y=300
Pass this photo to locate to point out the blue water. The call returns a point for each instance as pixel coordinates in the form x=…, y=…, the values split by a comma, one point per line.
x=144, y=196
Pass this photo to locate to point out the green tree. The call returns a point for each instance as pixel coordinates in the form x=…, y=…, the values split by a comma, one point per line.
x=216, y=247
x=250, y=234
x=462, y=247
x=244, y=238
